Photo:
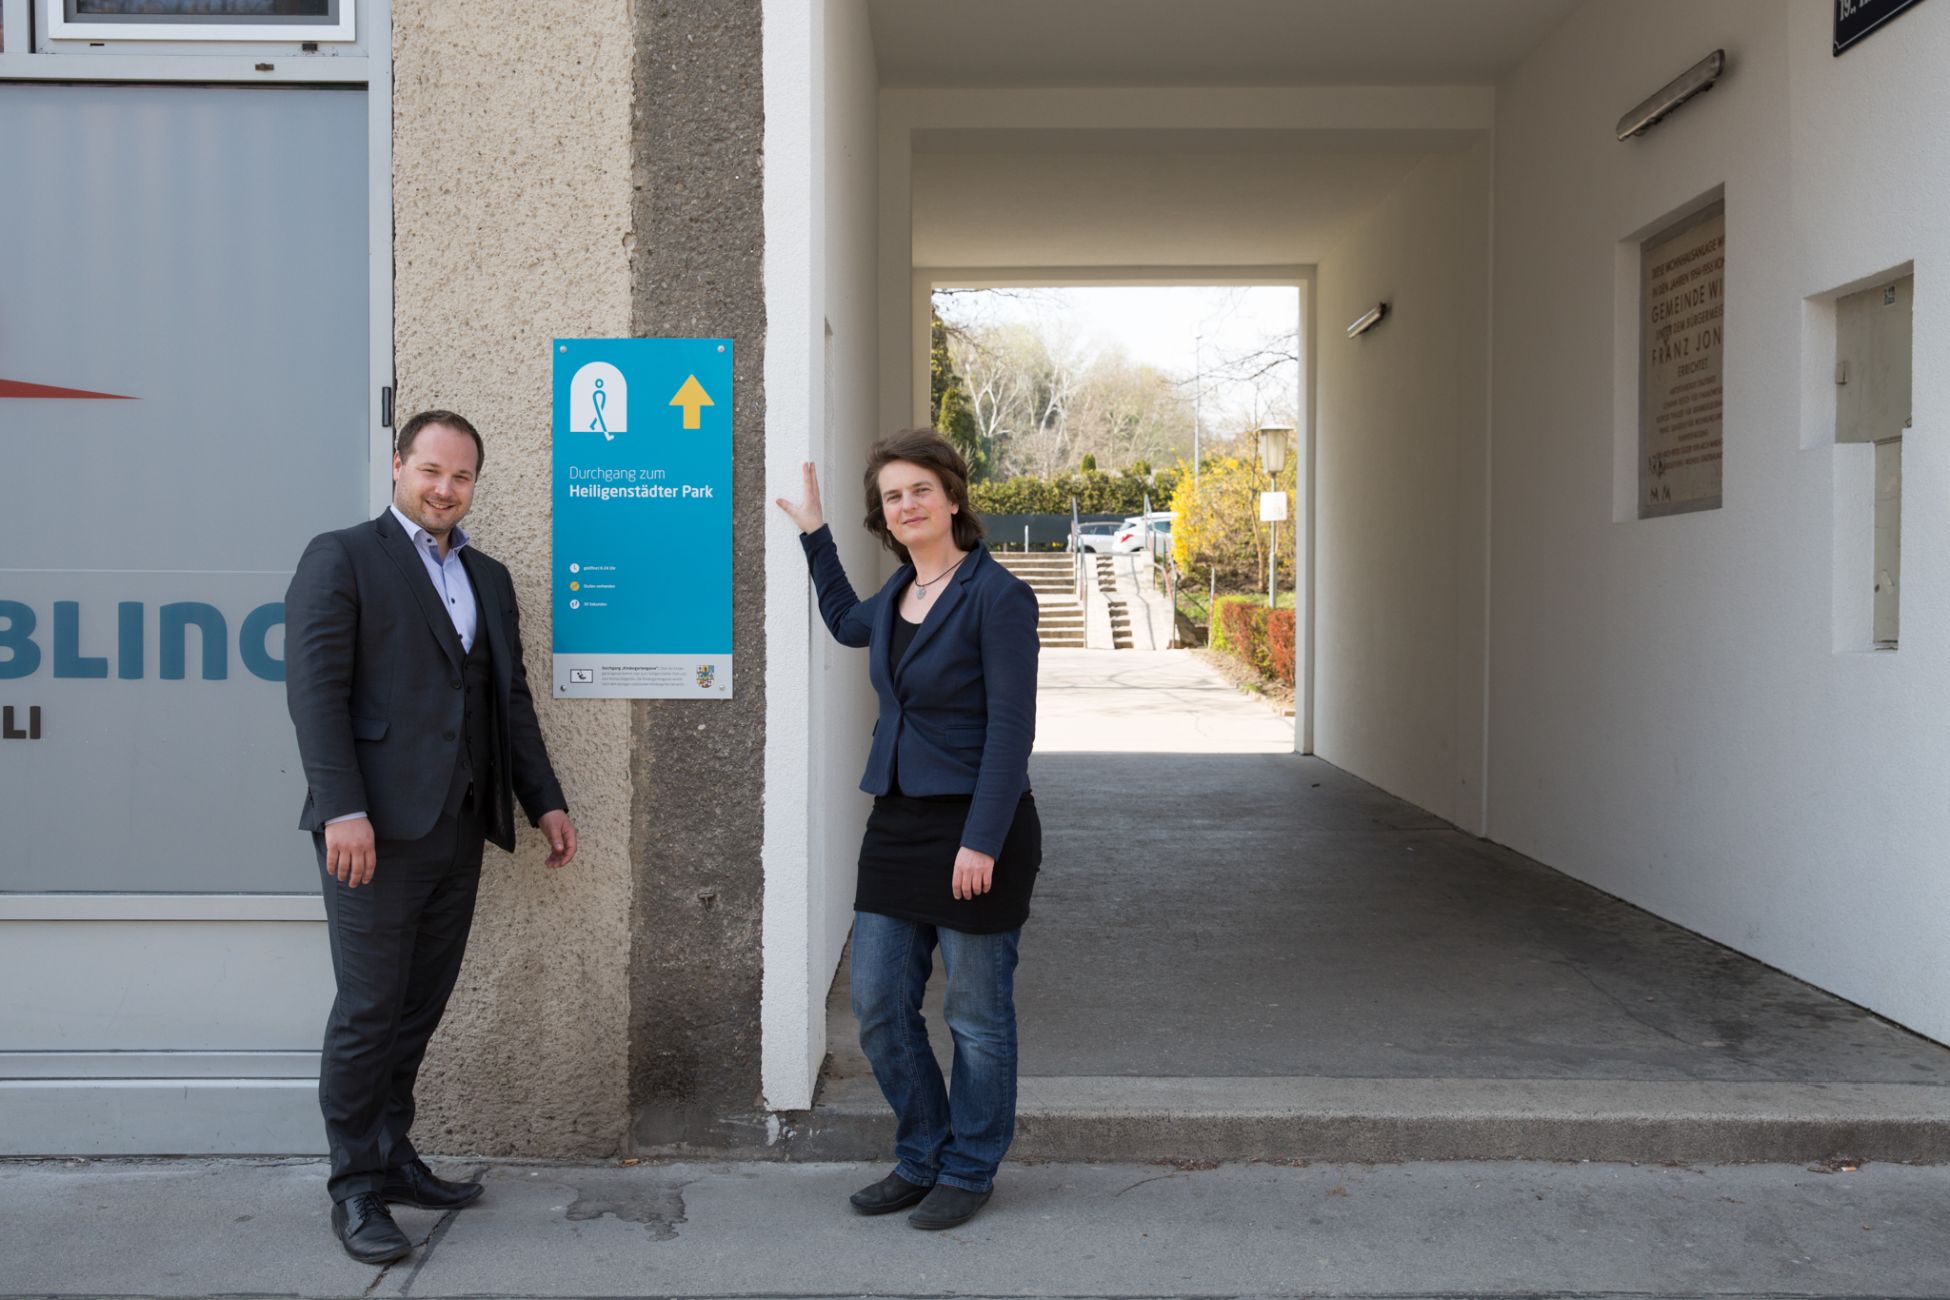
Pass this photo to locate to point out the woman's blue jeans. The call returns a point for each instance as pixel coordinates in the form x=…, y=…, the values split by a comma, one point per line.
x=955, y=1135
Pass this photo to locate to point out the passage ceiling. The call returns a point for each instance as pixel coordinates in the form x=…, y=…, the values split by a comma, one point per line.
x=1022, y=43
x=1017, y=199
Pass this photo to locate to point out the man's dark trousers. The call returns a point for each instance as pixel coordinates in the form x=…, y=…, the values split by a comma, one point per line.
x=397, y=943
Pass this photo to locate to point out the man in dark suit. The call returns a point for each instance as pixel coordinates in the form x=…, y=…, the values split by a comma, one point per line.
x=403, y=673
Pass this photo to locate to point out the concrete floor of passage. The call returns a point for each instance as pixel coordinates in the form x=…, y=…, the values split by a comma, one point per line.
x=1229, y=915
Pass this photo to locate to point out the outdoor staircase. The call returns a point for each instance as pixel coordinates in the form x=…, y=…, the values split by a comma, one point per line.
x=1052, y=575
x=1105, y=573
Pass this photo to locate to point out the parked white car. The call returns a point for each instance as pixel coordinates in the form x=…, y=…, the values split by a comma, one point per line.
x=1131, y=535
x=1096, y=537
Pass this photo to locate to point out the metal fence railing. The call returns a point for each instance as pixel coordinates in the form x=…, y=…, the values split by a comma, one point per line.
x=1039, y=532
x=1191, y=606
x=1076, y=550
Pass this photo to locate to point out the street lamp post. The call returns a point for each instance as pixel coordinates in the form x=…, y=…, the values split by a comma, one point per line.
x=1198, y=394
x=1272, y=455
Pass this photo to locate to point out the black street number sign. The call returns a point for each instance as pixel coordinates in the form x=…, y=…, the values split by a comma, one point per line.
x=1855, y=19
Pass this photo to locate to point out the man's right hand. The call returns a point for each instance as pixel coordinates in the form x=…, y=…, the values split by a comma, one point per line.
x=349, y=852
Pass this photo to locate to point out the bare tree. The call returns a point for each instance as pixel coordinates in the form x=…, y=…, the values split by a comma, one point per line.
x=1042, y=399
x=997, y=382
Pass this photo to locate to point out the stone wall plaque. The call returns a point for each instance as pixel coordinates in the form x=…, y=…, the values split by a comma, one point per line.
x=1682, y=302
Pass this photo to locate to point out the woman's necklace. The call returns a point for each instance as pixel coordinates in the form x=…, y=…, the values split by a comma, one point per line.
x=921, y=588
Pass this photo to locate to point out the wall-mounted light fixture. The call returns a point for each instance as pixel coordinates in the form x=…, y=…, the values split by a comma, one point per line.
x=1370, y=318
x=1649, y=111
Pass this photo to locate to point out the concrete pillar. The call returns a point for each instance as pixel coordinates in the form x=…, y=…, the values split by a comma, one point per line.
x=512, y=209
x=697, y=767
x=593, y=168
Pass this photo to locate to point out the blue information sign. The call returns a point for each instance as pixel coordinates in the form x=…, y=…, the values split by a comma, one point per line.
x=642, y=563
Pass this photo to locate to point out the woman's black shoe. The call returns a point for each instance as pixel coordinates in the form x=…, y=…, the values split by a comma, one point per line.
x=889, y=1194
x=947, y=1207
x=366, y=1229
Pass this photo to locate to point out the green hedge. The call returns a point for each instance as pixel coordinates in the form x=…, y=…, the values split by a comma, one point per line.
x=1096, y=492
x=1218, y=638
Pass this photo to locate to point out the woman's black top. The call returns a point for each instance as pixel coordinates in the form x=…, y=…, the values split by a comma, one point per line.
x=907, y=859
x=903, y=637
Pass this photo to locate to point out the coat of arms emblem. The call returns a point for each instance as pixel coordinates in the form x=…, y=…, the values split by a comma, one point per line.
x=706, y=674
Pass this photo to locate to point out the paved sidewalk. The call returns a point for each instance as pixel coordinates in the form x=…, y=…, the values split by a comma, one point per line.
x=1149, y=702
x=199, y=1227
x=1153, y=626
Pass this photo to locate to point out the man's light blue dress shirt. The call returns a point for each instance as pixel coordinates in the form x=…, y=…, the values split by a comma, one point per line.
x=449, y=576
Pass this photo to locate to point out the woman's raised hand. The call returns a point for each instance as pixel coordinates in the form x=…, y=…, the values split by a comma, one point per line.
x=807, y=513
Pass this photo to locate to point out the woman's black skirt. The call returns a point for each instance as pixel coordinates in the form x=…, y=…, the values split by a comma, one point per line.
x=907, y=864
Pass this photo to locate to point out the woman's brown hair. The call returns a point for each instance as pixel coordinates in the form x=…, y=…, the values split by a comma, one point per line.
x=931, y=451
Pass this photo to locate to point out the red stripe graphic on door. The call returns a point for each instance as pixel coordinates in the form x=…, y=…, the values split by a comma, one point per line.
x=15, y=388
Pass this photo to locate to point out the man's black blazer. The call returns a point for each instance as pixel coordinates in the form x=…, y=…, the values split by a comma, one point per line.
x=373, y=681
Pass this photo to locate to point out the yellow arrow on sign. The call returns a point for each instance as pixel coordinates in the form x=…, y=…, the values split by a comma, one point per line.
x=693, y=399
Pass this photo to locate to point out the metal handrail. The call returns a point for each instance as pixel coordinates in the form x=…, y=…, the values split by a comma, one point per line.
x=1076, y=549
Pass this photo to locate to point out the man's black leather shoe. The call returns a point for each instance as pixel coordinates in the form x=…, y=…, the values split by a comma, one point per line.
x=889, y=1194
x=419, y=1186
x=366, y=1229
x=947, y=1207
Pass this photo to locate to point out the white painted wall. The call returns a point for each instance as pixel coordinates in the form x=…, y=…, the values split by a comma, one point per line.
x=843, y=696
x=1401, y=465
x=821, y=342
x=1675, y=715
x=794, y=386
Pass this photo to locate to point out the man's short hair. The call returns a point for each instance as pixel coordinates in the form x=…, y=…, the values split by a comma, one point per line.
x=411, y=430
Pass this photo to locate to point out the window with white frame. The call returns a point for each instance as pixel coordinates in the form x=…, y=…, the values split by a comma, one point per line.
x=201, y=20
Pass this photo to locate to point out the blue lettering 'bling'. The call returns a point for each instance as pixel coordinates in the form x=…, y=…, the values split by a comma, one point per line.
x=20, y=652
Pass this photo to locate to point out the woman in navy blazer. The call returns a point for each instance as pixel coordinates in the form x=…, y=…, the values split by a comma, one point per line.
x=953, y=843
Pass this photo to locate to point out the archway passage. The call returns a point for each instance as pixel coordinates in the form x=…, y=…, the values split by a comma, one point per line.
x=1555, y=872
